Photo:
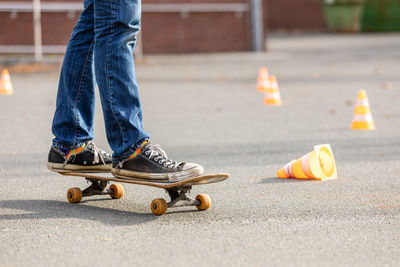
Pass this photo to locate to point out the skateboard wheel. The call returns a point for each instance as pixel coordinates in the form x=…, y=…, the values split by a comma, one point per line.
x=74, y=195
x=159, y=206
x=205, y=202
x=118, y=191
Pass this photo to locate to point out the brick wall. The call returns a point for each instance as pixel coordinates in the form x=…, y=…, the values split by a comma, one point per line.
x=174, y=33
x=295, y=14
x=170, y=33
x=56, y=27
x=195, y=32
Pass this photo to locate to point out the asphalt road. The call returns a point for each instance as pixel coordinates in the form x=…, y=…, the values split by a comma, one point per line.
x=205, y=109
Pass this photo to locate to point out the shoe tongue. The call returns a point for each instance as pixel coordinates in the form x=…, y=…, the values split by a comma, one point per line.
x=157, y=148
x=160, y=151
x=149, y=146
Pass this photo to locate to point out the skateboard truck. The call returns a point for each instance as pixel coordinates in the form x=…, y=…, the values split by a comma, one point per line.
x=75, y=194
x=96, y=188
x=180, y=199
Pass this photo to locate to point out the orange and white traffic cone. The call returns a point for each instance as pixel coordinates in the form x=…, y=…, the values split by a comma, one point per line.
x=272, y=95
x=5, y=83
x=262, y=80
x=362, y=119
x=318, y=164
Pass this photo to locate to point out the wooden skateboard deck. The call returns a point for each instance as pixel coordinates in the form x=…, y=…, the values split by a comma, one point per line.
x=199, y=180
x=176, y=190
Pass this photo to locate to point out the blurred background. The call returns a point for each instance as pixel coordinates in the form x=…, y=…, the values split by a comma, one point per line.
x=186, y=26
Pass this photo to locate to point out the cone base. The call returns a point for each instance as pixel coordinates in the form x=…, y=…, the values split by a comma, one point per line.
x=363, y=125
x=272, y=102
x=4, y=92
x=281, y=173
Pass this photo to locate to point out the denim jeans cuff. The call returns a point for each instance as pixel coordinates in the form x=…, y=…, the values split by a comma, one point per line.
x=130, y=151
x=59, y=145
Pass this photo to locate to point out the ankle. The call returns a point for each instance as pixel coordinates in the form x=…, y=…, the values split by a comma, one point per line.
x=138, y=150
x=66, y=152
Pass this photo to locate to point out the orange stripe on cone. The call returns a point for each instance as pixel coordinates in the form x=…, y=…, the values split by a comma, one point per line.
x=362, y=119
x=272, y=95
x=262, y=80
x=318, y=164
x=6, y=87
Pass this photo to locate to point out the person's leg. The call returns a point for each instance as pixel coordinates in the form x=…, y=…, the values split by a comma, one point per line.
x=73, y=119
x=117, y=23
x=72, y=126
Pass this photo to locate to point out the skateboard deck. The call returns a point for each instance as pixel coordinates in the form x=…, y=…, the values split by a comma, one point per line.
x=176, y=190
x=199, y=180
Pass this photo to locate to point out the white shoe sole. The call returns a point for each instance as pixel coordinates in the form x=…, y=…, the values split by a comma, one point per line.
x=166, y=177
x=59, y=167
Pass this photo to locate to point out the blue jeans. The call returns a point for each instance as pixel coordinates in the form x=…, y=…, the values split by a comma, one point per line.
x=101, y=51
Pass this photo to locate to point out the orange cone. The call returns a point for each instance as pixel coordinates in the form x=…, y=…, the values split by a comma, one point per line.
x=262, y=80
x=5, y=83
x=272, y=95
x=318, y=164
x=362, y=119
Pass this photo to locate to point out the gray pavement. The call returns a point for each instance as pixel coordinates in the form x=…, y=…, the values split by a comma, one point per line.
x=205, y=108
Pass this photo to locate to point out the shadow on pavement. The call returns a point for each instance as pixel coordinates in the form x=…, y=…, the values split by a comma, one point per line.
x=274, y=180
x=179, y=211
x=51, y=209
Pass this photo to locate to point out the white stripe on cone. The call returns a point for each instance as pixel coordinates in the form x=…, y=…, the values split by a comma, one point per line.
x=365, y=117
x=305, y=165
x=288, y=169
x=269, y=95
x=363, y=102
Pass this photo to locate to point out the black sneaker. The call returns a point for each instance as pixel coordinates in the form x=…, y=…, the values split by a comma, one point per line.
x=152, y=163
x=89, y=159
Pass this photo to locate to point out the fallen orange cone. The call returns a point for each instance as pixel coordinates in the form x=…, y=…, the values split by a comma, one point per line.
x=362, y=119
x=5, y=83
x=318, y=164
x=262, y=80
x=272, y=95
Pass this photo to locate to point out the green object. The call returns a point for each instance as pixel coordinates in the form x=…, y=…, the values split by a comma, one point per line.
x=381, y=15
x=343, y=15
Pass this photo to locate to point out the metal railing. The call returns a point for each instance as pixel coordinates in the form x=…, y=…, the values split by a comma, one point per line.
x=38, y=7
x=17, y=6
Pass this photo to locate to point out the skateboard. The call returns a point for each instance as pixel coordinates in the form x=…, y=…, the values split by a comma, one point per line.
x=177, y=191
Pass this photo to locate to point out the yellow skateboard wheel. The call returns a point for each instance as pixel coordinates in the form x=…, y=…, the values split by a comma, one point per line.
x=74, y=195
x=159, y=206
x=118, y=191
x=205, y=202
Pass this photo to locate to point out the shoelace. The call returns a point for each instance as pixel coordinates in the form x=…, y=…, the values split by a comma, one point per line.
x=98, y=153
x=160, y=156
